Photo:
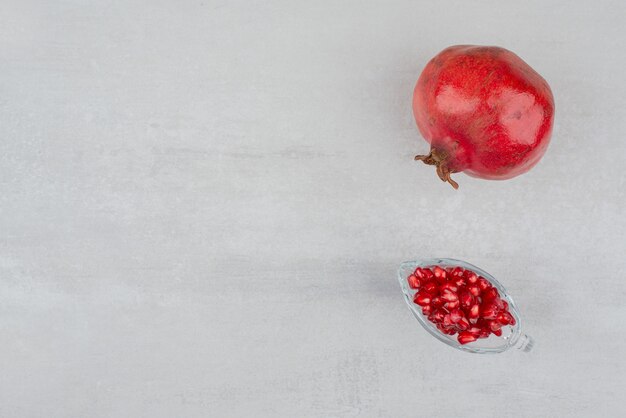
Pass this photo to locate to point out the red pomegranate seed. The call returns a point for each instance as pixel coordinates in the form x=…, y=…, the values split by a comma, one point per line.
x=494, y=325
x=474, y=330
x=471, y=277
x=450, y=331
x=437, y=315
x=456, y=315
x=448, y=286
x=414, y=282
x=499, y=303
x=484, y=333
x=497, y=333
x=436, y=302
x=505, y=305
x=466, y=337
x=490, y=294
x=452, y=305
x=466, y=298
x=440, y=274
x=483, y=283
x=488, y=311
x=422, y=298
x=426, y=310
x=463, y=324
x=473, y=289
x=474, y=312
x=419, y=273
x=428, y=274
x=457, y=273
x=505, y=318
x=430, y=287
x=449, y=296
x=447, y=321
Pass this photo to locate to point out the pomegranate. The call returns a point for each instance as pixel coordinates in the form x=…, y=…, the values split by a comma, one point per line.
x=472, y=310
x=484, y=111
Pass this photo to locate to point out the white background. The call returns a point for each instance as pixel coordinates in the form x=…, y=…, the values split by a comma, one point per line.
x=203, y=205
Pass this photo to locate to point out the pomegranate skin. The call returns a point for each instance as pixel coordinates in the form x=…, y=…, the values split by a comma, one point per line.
x=484, y=111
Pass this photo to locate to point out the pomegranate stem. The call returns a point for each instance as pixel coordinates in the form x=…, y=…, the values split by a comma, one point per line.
x=438, y=158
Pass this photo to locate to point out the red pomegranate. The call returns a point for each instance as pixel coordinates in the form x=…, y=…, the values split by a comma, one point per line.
x=484, y=111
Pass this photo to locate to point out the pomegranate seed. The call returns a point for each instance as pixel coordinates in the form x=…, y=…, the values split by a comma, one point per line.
x=448, y=286
x=474, y=312
x=484, y=333
x=450, y=331
x=426, y=310
x=463, y=324
x=466, y=337
x=456, y=315
x=488, y=311
x=428, y=274
x=430, y=287
x=436, y=302
x=452, y=305
x=447, y=321
x=471, y=277
x=460, y=282
x=474, y=330
x=490, y=294
x=505, y=305
x=449, y=296
x=440, y=274
x=456, y=273
x=473, y=289
x=419, y=273
x=499, y=303
x=422, y=298
x=437, y=315
x=483, y=283
x=414, y=282
x=494, y=325
x=465, y=298
x=505, y=318
x=497, y=333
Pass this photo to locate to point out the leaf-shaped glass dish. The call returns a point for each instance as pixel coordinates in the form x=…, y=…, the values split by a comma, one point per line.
x=512, y=335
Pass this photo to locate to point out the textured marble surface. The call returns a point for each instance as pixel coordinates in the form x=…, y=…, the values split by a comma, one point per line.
x=203, y=205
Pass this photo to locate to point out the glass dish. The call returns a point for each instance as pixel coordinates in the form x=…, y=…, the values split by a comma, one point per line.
x=512, y=335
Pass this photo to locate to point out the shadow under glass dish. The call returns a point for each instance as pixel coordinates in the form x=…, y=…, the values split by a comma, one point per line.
x=512, y=335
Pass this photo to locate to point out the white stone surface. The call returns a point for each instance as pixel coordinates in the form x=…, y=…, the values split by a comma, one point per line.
x=203, y=205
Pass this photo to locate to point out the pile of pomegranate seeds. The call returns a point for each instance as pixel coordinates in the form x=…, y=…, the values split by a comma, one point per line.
x=459, y=301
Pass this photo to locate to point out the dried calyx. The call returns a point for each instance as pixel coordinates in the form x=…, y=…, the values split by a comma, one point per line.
x=439, y=158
